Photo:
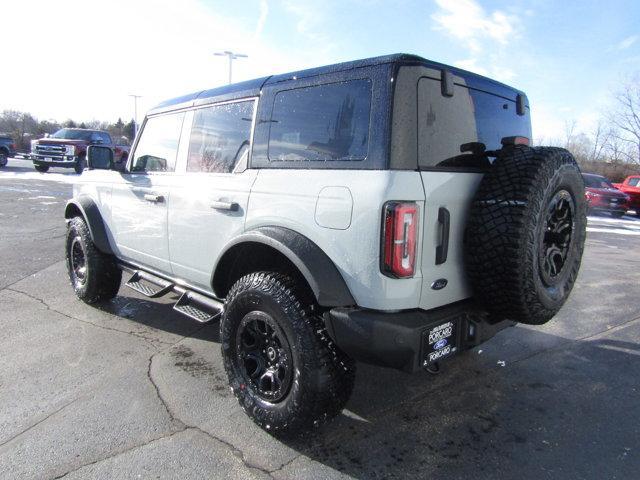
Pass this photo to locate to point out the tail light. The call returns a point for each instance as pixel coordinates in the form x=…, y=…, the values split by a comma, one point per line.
x=399, y=238
x=13, y=146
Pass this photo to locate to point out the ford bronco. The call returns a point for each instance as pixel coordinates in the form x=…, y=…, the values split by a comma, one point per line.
x=388, y=211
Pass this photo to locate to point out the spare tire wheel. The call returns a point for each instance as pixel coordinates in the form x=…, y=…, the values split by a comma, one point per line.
x=526, y=233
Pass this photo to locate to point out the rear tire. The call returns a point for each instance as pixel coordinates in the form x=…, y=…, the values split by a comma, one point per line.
x=42, y=168
x=525, y=234
x=291, y=378
x=618, y=214
x=94, y=275
x=4, y=159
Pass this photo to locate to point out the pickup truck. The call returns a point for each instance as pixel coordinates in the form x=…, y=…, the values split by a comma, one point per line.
x=68, y=148
x=7, y=149
x=631, y=186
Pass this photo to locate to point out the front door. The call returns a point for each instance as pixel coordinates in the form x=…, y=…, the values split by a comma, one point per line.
x=140, y=195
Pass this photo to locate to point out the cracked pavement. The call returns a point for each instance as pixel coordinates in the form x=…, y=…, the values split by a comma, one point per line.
x=132, y=389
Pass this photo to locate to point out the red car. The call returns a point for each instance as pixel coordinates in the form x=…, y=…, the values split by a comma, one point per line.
x=631, y=186
x=603, y=197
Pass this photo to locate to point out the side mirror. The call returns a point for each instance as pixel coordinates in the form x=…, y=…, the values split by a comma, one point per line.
x=99, y=157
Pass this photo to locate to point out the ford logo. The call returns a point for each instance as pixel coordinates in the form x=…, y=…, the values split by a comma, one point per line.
x=440, y=344
x=439, y=284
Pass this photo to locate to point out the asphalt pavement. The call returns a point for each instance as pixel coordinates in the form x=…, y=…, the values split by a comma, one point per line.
x=132, y=389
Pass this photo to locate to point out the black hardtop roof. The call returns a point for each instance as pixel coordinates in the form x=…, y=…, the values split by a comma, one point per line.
x=253, y=87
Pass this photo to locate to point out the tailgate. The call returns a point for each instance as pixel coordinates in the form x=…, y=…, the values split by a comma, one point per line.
x=448, y=197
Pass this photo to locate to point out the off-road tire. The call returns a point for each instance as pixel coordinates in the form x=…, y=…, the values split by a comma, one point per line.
x=4, y=159
x=323, y=376
x=42, y=168
x=102, y=276
x=507, y=228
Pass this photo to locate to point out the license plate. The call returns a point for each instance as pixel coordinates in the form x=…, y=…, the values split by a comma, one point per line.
x=48, y=159
x=440, y=342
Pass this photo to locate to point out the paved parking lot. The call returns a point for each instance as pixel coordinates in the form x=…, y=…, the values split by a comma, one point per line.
x=134, y=390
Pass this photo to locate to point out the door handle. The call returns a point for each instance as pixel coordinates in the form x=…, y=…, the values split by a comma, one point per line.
x=222, y=205
x=444, y=219
x=154, y=198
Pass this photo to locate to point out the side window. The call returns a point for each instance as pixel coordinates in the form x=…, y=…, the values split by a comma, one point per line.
x=633, y=182
x=220, y=137
x=446, y=123
x=158, y=146
x=321, y=123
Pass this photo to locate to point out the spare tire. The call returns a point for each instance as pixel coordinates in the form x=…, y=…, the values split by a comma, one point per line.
x=525, y=234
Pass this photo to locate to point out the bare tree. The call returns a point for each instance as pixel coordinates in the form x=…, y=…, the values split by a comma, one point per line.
x=625, y=117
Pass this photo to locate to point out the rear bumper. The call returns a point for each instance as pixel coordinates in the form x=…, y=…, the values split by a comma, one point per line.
x=396, y=340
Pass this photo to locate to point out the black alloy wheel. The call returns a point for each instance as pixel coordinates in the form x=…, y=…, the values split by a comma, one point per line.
x=265, y=356
x=557, y=236
x=78, y=261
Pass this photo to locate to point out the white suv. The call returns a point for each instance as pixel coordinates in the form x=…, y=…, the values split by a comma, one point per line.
x=387, y=210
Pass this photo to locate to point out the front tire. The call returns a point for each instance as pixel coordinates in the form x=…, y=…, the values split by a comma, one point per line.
x=283, y=368
x=79, y=166
x=94, y=275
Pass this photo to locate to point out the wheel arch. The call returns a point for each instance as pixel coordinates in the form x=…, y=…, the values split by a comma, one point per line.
x=285, y=250
x=86, y=208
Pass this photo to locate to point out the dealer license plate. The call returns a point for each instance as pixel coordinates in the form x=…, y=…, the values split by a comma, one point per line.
x=440, y=342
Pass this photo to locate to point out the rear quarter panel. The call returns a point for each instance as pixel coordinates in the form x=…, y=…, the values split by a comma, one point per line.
x=289, y=198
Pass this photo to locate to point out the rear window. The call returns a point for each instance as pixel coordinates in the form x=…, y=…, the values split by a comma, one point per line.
x=447, y=123
x=594, y=181
x=321, y=123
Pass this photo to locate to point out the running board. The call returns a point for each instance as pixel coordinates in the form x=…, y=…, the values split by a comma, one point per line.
x=135, y=282
x=198, y=307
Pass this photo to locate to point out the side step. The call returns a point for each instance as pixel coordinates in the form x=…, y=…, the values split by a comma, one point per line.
x=198, y=307
x=135, y=282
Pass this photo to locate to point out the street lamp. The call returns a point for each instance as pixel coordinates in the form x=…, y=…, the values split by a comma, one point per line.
x=231, y=56
x=135, y=114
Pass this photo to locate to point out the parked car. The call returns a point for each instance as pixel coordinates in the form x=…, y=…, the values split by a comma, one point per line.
x=387, y=210
x=603, y=197
x=631, y=186
x=68, y=148
x=7, y=149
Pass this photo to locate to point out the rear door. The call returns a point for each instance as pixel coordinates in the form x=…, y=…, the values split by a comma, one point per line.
x=451, y=177
x=209, y=198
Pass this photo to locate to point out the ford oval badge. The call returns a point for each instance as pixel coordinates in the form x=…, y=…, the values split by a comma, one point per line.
x=440, y=344
x=439, y=284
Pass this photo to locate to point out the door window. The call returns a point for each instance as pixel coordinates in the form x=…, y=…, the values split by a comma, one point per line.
x=220, y=138
x=158, y=145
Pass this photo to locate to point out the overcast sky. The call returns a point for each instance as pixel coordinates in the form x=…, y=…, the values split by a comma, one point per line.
x=81, y=59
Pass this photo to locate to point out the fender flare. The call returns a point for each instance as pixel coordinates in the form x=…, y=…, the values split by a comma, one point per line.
x=91, y=214
x=323, y=277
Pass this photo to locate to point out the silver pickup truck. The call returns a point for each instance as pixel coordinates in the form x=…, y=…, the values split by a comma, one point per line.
x=388, y=211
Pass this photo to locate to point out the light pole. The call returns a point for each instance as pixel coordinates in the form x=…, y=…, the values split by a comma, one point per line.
x=135, y=115
x=231, y=56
